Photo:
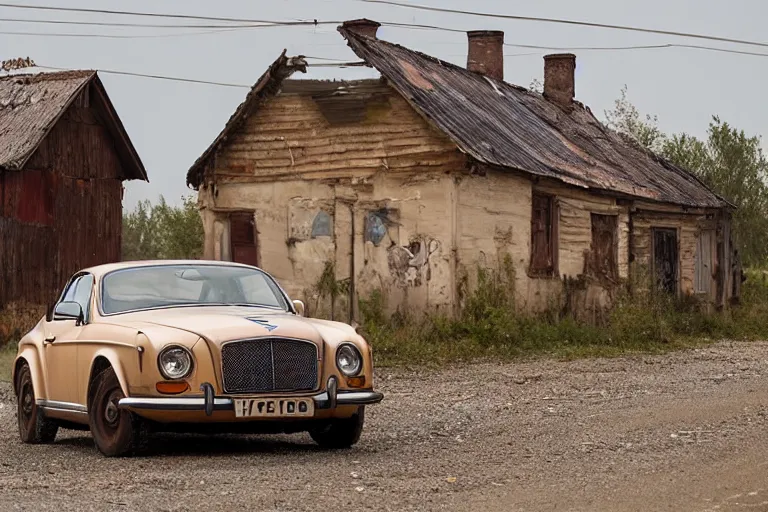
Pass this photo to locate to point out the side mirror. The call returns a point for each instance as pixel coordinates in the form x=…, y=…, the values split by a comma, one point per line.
x=68, y=311
x=299, y=307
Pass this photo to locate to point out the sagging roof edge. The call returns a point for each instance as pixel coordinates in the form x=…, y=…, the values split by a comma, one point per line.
x=267, y=85
x=115, y=126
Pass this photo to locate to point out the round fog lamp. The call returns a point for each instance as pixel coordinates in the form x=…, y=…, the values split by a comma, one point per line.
x=175, y=363
x=348, y=360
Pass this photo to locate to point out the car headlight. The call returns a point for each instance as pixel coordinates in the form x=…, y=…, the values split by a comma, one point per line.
x=175, y=362
x=348, y=360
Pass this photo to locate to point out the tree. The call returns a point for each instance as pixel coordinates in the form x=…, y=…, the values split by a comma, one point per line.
x=163, y=231
x=728, y=161
x=734, y=166
x=626, y=119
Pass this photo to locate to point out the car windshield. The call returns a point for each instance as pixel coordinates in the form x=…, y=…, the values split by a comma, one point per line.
x=161, y=286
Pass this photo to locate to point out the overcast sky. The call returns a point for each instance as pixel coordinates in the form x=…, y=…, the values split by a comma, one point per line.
x=172, y=123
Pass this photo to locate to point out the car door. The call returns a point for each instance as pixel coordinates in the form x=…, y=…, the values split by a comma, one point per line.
x=61, y=344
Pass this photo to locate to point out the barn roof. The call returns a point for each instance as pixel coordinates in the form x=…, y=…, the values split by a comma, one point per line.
x=31, y=104
x=508, y=126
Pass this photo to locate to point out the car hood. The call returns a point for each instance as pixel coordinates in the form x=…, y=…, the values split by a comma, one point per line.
x=219, y=324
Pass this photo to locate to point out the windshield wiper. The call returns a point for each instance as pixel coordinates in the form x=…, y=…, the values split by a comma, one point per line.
x=241, y=304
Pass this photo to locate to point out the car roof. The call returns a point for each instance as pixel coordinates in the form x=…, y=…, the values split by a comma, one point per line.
x=100, y=270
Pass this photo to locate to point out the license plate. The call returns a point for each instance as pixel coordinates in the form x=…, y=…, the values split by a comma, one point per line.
x=274, y=407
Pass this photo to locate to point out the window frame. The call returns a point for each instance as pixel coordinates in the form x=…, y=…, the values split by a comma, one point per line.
x=552, y=270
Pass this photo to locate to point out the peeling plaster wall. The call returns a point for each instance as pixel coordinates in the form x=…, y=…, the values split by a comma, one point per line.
x=419, y=210
x=494, y=221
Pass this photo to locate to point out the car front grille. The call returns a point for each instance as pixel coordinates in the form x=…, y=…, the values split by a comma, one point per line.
x=264, y=365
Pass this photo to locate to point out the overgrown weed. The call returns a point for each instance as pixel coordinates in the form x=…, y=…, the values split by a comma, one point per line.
x=491, y=327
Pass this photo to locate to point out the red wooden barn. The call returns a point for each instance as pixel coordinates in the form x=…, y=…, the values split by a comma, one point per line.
x=63, y=157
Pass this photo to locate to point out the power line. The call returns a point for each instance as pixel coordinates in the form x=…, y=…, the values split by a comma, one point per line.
x=340, y=64
x=268, y=24
x=580, y=48
x=111, y=36
x=639, y=47
x=566, y=22
x=118, y=24
x=162, y=15
x=393, y=3
x=157, y=77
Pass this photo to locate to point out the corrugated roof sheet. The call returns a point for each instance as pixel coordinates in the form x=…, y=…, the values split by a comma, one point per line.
x=30, y=105
x=510, y=127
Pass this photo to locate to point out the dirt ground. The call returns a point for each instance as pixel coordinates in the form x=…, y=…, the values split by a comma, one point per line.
x=685, y=431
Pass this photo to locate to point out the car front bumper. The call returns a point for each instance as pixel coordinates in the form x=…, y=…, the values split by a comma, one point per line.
x=328, y=399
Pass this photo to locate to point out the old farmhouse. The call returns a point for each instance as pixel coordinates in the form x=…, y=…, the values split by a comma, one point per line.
x=407, y=184
x=63, y=157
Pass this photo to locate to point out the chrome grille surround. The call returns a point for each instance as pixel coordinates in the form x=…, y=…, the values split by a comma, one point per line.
x=269, y=364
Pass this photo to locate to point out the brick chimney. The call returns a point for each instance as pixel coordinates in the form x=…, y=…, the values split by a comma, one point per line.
x=559, y=79
x=486, y=53
x=363, y=27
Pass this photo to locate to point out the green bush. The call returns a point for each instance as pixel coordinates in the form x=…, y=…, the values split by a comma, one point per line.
x=489, y=326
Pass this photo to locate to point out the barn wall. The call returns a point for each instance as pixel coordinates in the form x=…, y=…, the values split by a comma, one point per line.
x=74, y=179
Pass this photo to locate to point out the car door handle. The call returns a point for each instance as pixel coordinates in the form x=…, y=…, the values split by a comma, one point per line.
x=50, y=338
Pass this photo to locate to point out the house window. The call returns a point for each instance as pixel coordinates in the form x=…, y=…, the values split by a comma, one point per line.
x=705, y=255
x=604, y=249
x=543, y=236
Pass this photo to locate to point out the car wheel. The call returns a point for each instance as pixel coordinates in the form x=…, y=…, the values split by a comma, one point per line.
x=341, y=433
x=34, y=427
x=116, y=432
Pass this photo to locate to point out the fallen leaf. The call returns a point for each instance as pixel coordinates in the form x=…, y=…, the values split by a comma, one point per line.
x=451, y=479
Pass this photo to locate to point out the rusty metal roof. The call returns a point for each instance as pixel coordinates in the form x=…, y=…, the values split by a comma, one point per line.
x=267, y=85
x=507, y=126
x=31, y=104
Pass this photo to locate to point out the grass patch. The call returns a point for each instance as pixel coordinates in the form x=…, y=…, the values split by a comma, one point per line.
x=7, y=355
x=489, y=327
x=16, y=319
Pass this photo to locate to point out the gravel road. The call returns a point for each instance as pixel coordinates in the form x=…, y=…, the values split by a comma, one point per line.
x=685, y=431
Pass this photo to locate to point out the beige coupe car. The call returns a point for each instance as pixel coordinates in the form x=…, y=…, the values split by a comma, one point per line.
x=188, y=346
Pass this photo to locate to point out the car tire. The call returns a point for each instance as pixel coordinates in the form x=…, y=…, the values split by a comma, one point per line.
x=34, y=427
x=340, y=433
x=115, y=431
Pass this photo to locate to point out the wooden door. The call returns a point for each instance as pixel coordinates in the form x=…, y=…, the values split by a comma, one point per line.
x=243, y=240
x=665, y=259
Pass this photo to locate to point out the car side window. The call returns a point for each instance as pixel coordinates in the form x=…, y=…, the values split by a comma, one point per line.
x=83, y=294
x=69, y=295
x=79, y=291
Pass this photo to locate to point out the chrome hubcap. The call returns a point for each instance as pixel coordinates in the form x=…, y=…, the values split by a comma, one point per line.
x=27, y=401
x=112, y=413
